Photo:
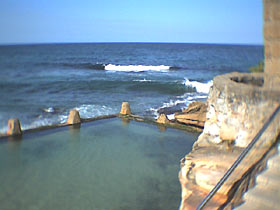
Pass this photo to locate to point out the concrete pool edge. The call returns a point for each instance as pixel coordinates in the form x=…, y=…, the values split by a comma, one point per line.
x=124, y=117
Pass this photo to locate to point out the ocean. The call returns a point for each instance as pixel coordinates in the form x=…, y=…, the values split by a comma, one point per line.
x=41, y=83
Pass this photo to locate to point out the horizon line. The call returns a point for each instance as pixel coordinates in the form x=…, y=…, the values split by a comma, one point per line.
x=134, y=42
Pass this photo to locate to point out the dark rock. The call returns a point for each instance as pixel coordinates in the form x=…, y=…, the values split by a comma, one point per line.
x=170, y=110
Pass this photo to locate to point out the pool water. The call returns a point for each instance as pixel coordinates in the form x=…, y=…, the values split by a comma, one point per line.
x=104, y=165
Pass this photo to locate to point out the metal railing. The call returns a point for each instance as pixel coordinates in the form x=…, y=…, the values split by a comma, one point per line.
x=238, y=160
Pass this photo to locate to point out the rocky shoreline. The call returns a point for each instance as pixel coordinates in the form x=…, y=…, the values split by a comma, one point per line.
x=193, y=115
x=237, y=107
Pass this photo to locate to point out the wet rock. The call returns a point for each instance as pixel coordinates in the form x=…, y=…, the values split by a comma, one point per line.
x=74, y=117
x=162, y=119
x=170, y=110
x=125, y=110
x=14, y=127
x=195, y=114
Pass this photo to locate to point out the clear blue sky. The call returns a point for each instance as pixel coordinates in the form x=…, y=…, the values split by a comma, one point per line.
x=192, y=21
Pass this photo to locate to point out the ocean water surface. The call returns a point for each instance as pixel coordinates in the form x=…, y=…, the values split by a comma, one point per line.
x=39, y=84
x=104, y=165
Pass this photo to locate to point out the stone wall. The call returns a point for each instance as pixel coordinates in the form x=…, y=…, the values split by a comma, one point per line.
x=272, y=36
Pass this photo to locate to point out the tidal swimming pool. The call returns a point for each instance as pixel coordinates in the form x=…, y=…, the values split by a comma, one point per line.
x=104, y=165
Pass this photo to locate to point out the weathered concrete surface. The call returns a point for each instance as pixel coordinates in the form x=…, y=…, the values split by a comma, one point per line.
x=195, y=114
x=48, y=127
x=238, y=106
x=74, y=117
x=14, y=127
x=125, y=110
x=162, y=119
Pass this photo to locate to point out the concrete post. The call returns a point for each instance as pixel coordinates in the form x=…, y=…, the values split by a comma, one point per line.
x=125, y=109
x=74, y=117
x=14, y=127
x=162, y=119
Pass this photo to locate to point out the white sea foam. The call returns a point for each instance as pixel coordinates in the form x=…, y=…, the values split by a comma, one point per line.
x=3, y=129
x=38, y=123
x=171, y=103
x=49, y=110
x=136, y=68
x=154, y=112
x=183, y=101
x=142, y=80
x=174, y=103
x=92, y=110
x=3, y=125
x=171, y=116
x=85, y=110
x=200, y=87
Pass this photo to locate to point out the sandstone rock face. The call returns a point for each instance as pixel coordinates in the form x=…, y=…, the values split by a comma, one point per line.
x=227, y=133
x=195, y=114
x=238, y=106
x=125, y=109
x=14, y=127
x=162, y=119
x=203, y=168
x=74, y=117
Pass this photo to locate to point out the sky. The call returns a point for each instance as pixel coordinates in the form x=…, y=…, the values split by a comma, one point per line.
x=183, y=21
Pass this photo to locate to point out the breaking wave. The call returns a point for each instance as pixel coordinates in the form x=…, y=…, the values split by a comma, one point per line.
x=199, y=86
x=142, y=80
x=199, y=93
x=136, y=68
x=122, y=68
x=177, y=104
x=52, y=116
x=92, y=110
